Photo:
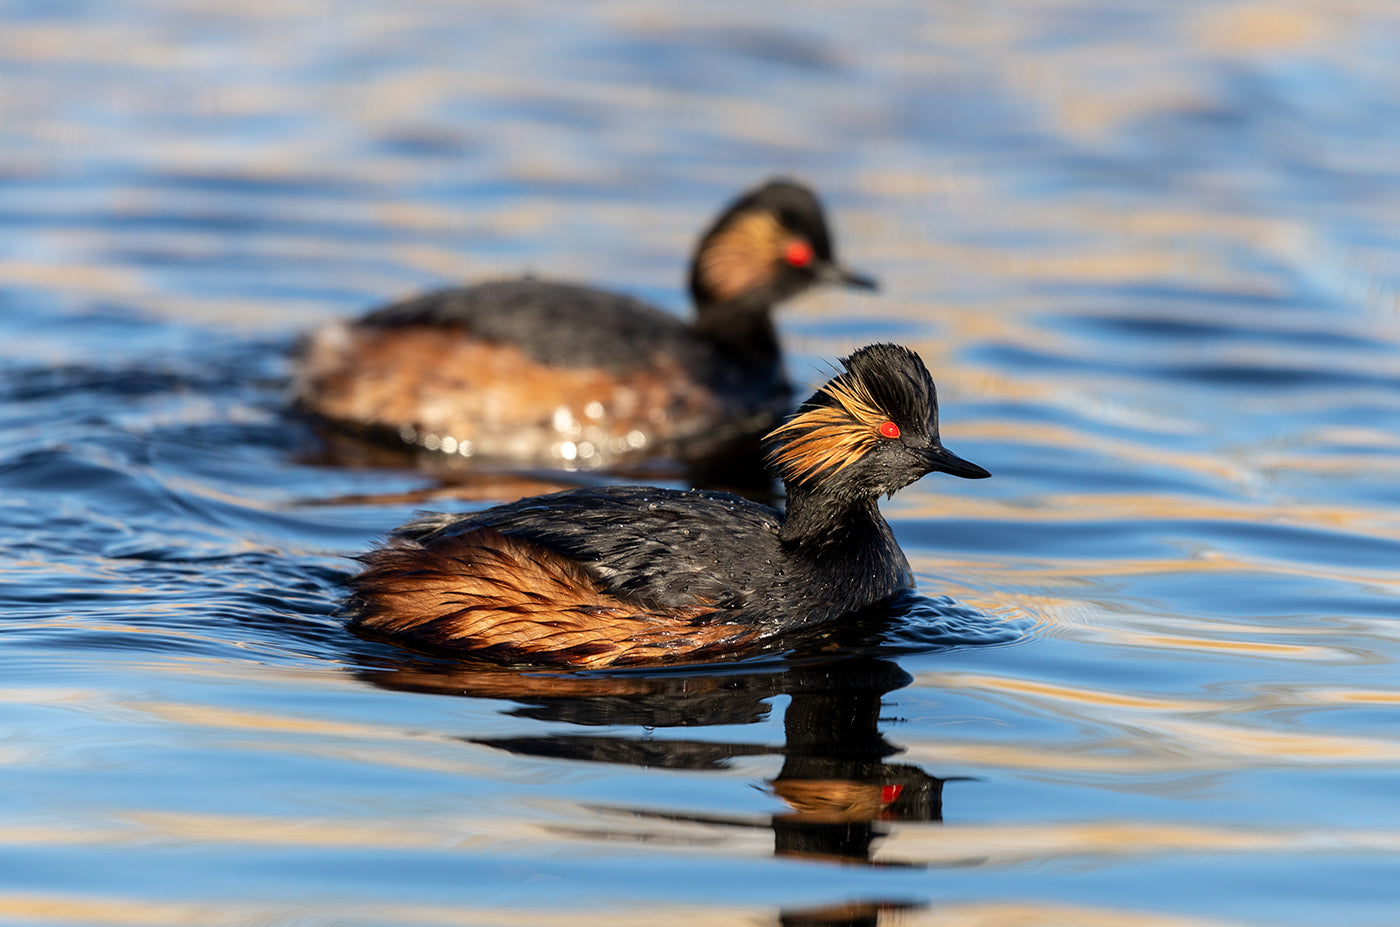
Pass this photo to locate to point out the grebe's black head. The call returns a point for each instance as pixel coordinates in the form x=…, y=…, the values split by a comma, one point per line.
x=768, y=246
x=868, y=432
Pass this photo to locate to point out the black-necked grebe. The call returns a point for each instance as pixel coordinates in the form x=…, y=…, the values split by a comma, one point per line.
x=631, y=575
x=561, y=375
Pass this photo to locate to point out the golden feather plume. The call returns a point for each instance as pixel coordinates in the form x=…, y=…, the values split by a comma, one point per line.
x=826, y=439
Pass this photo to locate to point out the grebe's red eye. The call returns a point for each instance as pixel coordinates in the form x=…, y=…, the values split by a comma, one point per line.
x=889, y=430
x=798, y=253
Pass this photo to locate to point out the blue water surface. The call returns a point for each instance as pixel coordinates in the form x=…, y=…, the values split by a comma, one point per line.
x=1149, y=251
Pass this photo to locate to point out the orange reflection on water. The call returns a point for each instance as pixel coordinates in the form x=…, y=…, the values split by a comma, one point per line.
x=1242, y=744
x=1170, y=742
x=1006, y=845
x=1058, y=693
x=117, y=912
x=1351, y=697
x=373, y=745
x=1246, y=29
x=1256, y=648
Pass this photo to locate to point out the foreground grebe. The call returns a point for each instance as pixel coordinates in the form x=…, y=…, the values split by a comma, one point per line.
x=629, y=575
x=554, y=374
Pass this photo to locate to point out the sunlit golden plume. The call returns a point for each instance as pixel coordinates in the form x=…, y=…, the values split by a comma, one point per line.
x=740, y=257
x=825, y=439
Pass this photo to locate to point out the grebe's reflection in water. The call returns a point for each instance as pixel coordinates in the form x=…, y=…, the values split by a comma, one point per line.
x=841, y=790
x=839, y=787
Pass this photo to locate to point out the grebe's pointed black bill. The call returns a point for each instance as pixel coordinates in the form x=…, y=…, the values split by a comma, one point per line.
x=836, y=274
x=940, y=458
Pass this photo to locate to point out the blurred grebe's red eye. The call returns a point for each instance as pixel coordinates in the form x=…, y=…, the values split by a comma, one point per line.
x=798, y=253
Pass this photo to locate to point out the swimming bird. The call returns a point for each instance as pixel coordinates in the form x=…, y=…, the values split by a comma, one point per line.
x=565, y=376
x=630, y=575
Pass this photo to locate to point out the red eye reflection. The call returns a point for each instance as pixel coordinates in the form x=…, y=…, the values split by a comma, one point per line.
x=798, y=253
x=889, y=430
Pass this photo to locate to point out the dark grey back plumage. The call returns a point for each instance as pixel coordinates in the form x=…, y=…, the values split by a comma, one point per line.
x=696, y=533
x=543, y=319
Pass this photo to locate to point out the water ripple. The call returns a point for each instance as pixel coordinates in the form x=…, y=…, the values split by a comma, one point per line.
x=1148, y=250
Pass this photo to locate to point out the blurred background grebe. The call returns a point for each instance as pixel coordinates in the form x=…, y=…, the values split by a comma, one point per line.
x=1148, y=250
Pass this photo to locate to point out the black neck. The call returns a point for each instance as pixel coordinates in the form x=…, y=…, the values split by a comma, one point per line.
x=824, y=520
x=740, y=331
x=853, y=556
x=738, y=324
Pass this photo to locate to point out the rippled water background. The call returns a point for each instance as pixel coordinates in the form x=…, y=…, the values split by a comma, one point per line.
x=1149, y=249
